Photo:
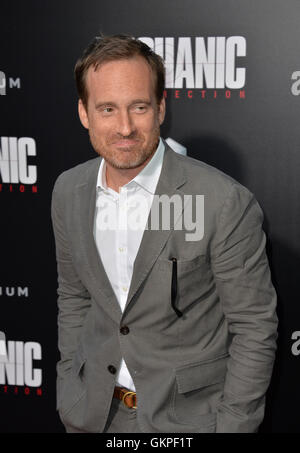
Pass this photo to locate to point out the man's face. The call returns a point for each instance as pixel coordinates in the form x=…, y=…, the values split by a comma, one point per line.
x=123, y=116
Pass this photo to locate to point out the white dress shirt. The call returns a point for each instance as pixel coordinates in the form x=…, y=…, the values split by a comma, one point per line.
x=120, y=220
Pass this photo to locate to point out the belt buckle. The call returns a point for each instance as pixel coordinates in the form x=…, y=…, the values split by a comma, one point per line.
x=125, y=396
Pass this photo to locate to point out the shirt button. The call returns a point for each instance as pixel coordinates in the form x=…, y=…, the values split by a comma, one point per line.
x=124, y=330
x=112, y=369
x=124, y=288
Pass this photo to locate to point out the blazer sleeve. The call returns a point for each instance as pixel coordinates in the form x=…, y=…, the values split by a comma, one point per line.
x=248, y=301
x=73, y=298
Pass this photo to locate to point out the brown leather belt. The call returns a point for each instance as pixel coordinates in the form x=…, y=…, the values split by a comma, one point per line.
x=127, y=396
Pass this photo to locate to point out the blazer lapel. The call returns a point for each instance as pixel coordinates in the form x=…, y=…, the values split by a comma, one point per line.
x=86, y=202
x=171, y=178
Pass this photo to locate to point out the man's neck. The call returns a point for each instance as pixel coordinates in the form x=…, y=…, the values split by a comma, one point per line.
x=118, y=177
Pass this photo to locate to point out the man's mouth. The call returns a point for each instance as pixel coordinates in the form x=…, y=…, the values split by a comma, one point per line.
x=125, y=143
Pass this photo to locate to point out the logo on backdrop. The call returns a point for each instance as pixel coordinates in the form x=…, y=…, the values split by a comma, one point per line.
x=14, y=292
x=296, y=344
x=295, y=88
x=208, y=68
x=8, y=83
x=17, y=368
x=14, y=164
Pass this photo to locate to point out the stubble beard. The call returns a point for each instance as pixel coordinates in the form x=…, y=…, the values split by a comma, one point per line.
x=134, y=158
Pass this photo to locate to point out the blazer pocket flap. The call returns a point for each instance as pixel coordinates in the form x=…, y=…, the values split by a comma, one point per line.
x=78, y=361
x=198, y=375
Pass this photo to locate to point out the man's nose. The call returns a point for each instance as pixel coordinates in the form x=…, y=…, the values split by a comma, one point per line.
x=125, y=124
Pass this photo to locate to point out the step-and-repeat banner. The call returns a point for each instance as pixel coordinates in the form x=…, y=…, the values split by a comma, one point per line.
x=233, y=101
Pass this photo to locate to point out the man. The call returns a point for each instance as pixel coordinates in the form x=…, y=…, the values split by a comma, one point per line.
x=159, y=331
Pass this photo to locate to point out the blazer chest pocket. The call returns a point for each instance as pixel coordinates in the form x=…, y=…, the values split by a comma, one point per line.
x=194, y=279
x=198, y=391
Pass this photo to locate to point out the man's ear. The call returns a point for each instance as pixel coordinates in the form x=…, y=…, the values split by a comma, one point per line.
x=83, y=114
x=162, y=110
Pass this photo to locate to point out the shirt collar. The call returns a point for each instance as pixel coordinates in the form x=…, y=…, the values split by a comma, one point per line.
x=147, y=178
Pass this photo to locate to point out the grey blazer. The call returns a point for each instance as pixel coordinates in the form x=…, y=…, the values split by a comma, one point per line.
x=205, y=371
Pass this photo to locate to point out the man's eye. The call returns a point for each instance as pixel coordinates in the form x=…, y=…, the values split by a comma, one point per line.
x=140, y=108
x=107, y=110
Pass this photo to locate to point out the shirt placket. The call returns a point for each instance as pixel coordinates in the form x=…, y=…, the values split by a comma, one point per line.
x=122, y=246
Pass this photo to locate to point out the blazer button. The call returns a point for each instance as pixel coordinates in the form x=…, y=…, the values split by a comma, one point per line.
x=124, y=330
x=112, y=369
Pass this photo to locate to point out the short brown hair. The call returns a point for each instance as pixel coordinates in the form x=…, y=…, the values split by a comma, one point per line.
x=116, y=47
